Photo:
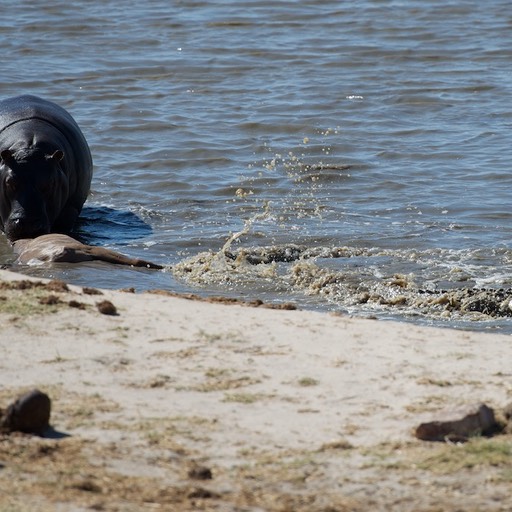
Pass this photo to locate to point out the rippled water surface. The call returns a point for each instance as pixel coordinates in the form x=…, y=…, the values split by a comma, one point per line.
x=374, y=131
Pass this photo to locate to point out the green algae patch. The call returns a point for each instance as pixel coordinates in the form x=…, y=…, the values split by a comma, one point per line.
x=476, y=453
x=25, y=297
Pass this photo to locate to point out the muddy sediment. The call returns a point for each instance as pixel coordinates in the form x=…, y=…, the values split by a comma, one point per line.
x=354, y=287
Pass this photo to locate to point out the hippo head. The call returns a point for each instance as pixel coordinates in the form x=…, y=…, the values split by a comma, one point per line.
x=33, y=188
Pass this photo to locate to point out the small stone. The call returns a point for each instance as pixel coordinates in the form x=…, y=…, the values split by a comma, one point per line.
x=459, y=424
x=91, y=291
x=50, y=300
x=30, y=413
x=87, y=486
x=57, y=286
x=202, y=493
x=76, y=304
x=200, y=473
x=106, y=307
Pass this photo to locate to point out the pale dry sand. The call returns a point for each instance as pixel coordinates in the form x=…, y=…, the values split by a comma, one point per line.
x=291, y=410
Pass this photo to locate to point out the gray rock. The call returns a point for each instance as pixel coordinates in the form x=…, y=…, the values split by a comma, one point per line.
x=459, y=424
x=30, y=413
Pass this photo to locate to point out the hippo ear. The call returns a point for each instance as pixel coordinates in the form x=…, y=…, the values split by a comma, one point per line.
x=57, y=156
x=7, y=156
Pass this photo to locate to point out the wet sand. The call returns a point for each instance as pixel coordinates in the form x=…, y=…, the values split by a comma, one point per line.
x=172, y=403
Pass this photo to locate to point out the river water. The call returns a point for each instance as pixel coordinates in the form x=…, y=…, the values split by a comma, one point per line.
x=344, y=156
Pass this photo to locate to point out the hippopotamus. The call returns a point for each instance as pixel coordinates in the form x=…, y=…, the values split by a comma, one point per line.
x=45, y=168
x=55, y=247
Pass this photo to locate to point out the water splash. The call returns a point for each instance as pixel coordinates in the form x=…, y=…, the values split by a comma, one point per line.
x=363, y=281
x=297, y=181
x=247, y=227
x=431, y=284
x=214, y=267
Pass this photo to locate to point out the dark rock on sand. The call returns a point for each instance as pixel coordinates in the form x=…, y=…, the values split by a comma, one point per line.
x=459, y=424
x=105, y=307
x=30, y=413
x=200, y=473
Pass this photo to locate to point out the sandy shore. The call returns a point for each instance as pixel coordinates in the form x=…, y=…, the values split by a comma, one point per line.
x=285, y=410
